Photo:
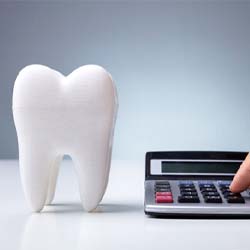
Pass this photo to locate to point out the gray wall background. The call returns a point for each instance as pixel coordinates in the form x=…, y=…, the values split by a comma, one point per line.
x=182, y=69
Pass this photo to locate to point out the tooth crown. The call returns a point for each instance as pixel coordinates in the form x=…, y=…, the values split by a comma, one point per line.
x=56, y=115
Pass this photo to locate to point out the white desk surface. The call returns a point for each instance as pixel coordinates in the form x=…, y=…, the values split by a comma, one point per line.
x=118, y=223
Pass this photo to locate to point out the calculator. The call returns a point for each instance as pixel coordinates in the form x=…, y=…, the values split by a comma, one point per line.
x=194, y=184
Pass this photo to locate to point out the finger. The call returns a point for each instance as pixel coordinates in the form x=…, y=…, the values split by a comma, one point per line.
x=241, y=180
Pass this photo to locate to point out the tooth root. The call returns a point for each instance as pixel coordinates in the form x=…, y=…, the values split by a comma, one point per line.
x=35, y=169
x=53, y=180
x=92, y=171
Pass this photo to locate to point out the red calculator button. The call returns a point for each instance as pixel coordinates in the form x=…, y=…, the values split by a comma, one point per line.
x=163, y=194
x=164, y=199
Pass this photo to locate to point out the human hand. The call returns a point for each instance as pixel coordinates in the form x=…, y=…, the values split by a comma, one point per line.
x=241, y=179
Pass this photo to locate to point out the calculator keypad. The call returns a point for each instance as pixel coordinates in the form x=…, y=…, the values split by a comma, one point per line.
x=163, y=192
x=200, y=191
x=188, y=193
x=209, y=192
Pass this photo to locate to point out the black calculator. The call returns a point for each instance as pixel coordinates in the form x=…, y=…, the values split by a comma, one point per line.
x=194, y=183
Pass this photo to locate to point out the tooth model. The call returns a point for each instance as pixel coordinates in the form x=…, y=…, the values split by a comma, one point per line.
x=56, y=115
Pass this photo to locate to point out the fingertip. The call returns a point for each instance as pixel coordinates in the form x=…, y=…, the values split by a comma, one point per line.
x=241, y=180
x=235, y=184
x=233, y=188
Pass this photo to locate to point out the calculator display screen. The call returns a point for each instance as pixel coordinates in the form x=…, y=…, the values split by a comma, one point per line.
x=199, y=167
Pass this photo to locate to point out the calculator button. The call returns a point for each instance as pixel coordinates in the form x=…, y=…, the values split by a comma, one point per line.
x=163, y=194
x=235, y=199
x=185, y=193
x=206, y=186
x=225, y=191
x=162, y=189
x=188, y=199
x=224, y=183
x=230, y=194
x=164, y=199
x=185, y=182
x=162, y=186
x=205, y=182
x=223, y=188
x=188, y=189
x=210, y=194
x=186, y=186
x=213, y=199
x=162, y=183
x=204, y=190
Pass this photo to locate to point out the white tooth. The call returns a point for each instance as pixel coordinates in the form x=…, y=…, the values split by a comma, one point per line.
x=56, y=115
